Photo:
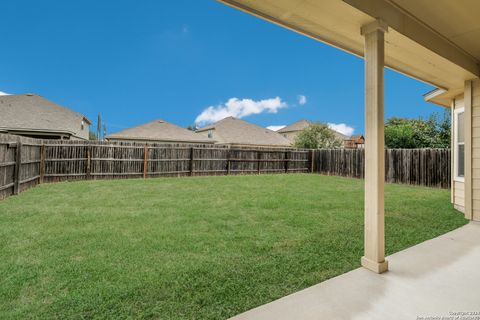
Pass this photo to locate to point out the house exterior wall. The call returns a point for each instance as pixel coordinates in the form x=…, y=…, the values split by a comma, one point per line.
x=459, y=195
x=466, y=192
x=475, y=103
x=458, y=185
x=291, y=135
x=83, y=130
x=210, y=134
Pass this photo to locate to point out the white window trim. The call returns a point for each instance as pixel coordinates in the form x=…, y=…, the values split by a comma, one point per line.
x=455, y=144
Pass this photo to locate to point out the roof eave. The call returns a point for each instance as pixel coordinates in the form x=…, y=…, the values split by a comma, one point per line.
x=88, y=121
x=26, y=130
x=442, y=97
x=451, y=66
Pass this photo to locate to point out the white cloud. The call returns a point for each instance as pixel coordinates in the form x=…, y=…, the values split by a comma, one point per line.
x=4, y=93
x=237, y=108
x=275, y=128
x=301, y=99
x=342, y=128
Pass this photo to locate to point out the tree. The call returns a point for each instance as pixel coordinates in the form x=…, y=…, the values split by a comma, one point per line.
x=92, y=135
x=418, y=133
x=192, y=127
x=317, y=136
x=445, y=130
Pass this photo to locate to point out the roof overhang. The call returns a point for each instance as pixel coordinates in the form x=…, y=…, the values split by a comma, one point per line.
x=88, y=121
x=412, y=46
x=37, y=131
x=209, y=127
x=442, y=97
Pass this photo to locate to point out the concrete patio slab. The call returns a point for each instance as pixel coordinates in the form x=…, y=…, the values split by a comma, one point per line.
x=436, y=278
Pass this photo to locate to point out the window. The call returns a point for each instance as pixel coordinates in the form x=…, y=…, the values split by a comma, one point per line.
x=210, y=134
x=459, y=144
x=83, y=125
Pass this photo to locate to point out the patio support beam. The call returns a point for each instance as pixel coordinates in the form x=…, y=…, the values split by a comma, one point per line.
x=403, y=22
x=374, y=251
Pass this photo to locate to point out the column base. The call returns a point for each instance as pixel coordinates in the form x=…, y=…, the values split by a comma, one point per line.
x=377, y=267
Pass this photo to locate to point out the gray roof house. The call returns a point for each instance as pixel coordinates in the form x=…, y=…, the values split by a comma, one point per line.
x=158, y=131
x=34, y=116
x=236, y=132
x=291, y=131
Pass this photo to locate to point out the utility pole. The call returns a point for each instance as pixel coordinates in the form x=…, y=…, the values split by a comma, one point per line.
x=99, y=127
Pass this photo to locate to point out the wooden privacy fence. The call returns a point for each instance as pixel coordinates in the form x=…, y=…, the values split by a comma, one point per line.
x=19, y=167
x=96, y=161
x=426, y=167
x=25, y=164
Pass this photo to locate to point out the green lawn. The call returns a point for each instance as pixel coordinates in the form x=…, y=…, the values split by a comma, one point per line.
x=192, y=248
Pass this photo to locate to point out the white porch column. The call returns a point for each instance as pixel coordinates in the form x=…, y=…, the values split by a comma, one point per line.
x=374, y=254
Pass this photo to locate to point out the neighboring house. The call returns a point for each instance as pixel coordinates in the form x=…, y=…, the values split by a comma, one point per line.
x=158, y=131
x=291, y=131
x=34, y=116
x=236, y=132
x=354, y=142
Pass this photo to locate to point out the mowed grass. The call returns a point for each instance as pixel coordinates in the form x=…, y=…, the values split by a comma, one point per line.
x=192, y=248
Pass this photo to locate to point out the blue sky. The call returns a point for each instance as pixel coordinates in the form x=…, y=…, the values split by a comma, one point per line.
x=135, y=61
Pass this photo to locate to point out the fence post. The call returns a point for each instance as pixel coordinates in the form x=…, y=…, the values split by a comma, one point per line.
x=88, y=170
x=228, y=162
x=311, y=160
x=258, y=160
x=145, y=155
x=191, y=161
x=18, y=165
x=286, y=161
x=42, y=163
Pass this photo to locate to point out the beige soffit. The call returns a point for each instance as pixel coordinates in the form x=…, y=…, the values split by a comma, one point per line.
x=413, y=44
x=442, y=97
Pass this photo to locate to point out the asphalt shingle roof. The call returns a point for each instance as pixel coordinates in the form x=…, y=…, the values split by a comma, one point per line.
x=302, y=124
x=159, y=130
x=296, y=126
x=31, y=112
x=235, y=131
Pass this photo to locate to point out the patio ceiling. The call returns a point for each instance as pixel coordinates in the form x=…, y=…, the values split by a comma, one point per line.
x=434, y=41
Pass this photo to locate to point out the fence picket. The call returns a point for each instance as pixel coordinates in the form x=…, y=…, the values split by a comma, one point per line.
x=51, y=160
x=426, y=167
